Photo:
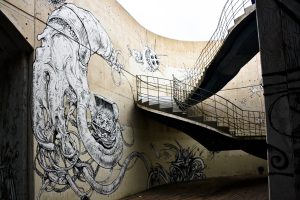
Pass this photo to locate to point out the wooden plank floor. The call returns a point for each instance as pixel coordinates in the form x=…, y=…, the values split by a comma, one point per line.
x=234, y=188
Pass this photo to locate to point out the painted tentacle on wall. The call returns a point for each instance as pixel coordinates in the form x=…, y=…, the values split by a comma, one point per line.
x=77, y=132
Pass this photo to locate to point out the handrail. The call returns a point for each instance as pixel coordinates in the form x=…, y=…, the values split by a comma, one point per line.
x=231, y=9
x=215, y=108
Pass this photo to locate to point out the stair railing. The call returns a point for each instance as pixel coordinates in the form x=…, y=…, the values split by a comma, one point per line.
x=159, y=94
x=231, y=10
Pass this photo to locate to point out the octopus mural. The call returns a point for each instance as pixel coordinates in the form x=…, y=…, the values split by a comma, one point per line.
x=77, y=133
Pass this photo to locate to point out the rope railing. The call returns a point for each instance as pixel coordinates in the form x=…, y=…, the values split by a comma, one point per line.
x=231, y=10
x=241, y=123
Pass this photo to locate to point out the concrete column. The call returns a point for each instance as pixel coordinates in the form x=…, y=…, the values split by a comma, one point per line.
x=279, y=39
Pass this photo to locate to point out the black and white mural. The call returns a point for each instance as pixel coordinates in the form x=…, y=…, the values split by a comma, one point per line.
x=56, y=2
x=185, y=164
x=148, y=58
x=78, y=133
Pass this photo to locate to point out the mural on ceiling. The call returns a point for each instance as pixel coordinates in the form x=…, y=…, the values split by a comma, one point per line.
x=148, y=58
x=8, y=156
x=78, y=133
x=184, y=165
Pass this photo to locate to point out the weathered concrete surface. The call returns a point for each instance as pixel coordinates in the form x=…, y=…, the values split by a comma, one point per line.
x=233, y=188
x=279, y=35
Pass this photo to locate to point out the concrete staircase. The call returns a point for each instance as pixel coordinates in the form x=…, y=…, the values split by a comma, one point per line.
x=205, y=130
x=194, y=108
x=166, y=106
x=238, y=47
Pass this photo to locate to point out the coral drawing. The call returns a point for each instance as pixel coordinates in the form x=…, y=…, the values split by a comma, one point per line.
x=78, y=133
x=185, y=167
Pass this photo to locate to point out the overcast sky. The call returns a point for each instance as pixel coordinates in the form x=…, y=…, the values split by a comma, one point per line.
x=191, y=20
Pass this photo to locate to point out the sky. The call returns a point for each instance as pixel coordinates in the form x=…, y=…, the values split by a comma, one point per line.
x=188, y=20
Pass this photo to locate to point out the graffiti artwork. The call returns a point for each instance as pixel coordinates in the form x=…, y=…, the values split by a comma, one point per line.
x=279, y=159
x=256, y=91
x=185, y=167
x=56, y=2
x=8, y=156
x=77, y=132
x=148, y=57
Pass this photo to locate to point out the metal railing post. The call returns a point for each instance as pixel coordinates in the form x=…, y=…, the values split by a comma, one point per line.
x=157, y=90
x=137, y=87
x=216, y=108
x=227, y=114
x=148, y=90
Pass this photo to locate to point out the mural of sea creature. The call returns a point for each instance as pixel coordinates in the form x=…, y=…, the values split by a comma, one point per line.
x=185, y=167
x=77, y=132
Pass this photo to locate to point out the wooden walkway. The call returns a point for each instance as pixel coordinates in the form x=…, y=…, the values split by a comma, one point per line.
x=234, y=188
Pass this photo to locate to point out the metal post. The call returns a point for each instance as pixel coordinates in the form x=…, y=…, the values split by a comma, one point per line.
x=157, y=90
x=172, y=98
x=216, y=108
x=227, y=114
x=148, y=90
x=249, y=123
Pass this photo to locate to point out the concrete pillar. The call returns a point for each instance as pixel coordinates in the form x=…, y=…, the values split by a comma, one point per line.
x=279, y=39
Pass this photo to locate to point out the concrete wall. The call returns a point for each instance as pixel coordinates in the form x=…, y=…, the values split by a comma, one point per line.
x=246, y=90
x=148, y=147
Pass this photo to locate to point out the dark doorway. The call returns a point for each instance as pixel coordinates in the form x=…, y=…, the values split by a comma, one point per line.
x=15, y=129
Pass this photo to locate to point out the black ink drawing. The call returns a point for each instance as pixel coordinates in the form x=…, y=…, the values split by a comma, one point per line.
x=148, y=57
x=185, y=167
x=78, y=133
x=243, y=101
x=56, y=2
x=255, y=91
x=8, y=156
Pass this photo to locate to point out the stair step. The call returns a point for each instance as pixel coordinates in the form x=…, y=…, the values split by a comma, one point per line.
x=144, y=103
x=181, y=114
x=238, y=19
x=140, y=101
x=154, y=106
x=211, y=123
x=166, y=105
x=168, y=110
x=249, y=9
x=196, y=118
x=224, y=128
x=153, y=102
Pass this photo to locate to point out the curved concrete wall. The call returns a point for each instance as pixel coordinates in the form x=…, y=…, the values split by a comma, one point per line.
x=157, y=149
